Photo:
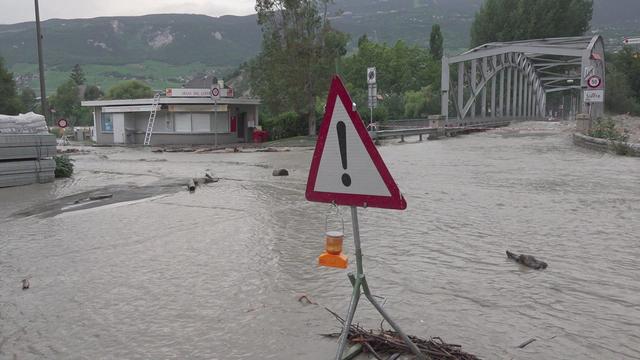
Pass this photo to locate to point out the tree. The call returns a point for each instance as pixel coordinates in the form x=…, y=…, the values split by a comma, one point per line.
x=10, y=103
x=66, y=102
x=130, y=89
x=419, y=103
x=436, y=42
x=402, y=71
x=362, y=40
x=627, y=61
x=28, y=99
x=623, y=82
x=92, y=93
x=508, y=20
x=299, y=52
x=77, y=75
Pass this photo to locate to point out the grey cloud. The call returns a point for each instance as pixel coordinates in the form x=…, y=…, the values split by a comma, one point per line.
x=15, y=11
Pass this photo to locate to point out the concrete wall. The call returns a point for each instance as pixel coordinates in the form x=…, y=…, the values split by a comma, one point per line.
x=186, y=139
x=603, y=145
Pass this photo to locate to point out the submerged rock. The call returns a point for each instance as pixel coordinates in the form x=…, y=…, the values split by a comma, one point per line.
x=280, y=172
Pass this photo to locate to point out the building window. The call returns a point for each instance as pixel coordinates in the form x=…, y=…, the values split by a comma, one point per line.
x=183, y=122
x=201, y=122
x=107, y=122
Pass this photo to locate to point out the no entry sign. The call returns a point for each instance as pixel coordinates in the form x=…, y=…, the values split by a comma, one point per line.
x=346, y=168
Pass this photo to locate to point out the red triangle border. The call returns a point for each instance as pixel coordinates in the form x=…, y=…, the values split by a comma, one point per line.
x=395, y=201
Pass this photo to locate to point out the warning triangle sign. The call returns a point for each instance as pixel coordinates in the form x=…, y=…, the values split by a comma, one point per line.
x=346, y=168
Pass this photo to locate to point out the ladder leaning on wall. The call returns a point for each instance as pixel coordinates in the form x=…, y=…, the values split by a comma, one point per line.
x=152, y=119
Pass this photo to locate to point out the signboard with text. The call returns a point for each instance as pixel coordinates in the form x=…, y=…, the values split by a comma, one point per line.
x=206, y=93
x=593, y=96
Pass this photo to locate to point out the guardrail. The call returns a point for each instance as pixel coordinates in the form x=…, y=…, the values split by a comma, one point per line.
x=433, y=131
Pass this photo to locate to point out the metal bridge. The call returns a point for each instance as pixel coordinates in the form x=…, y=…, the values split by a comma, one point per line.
x=512, y=79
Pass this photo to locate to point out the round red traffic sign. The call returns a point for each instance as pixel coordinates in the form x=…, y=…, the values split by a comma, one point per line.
x=594, y=81
x=62, y=123
x=215, y=92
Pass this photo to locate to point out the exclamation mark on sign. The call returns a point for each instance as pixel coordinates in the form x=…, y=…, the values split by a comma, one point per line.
x=342, y=142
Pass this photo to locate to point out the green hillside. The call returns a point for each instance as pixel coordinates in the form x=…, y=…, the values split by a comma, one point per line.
x=157, y=74
x=172, y=39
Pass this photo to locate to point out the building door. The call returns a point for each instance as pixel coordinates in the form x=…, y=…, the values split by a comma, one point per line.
x=242, y=125
x=118, y=128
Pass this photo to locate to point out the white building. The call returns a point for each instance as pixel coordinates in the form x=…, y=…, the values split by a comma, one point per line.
x=184, y=116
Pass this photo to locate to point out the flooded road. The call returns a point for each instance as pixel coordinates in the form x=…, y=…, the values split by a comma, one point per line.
x=215, y=274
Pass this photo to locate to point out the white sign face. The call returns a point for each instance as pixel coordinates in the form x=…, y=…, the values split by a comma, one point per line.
x=181, y=92
x=593, y=96
x=363, y=174
x=588, y=71
x=123, y=109
x=594, y=82
x=199, y=93
x=632, y=41
x=215, y=93
x=371, y=75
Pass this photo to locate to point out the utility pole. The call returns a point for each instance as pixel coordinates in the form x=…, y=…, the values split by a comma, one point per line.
x=43, y=91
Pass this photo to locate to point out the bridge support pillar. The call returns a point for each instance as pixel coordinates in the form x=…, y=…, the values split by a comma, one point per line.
x=583, y=123
x=436, y=122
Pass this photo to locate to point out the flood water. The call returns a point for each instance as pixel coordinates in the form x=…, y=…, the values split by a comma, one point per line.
x=159, y=273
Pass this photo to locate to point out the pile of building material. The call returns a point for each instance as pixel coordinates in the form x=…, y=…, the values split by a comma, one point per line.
x=26, y=150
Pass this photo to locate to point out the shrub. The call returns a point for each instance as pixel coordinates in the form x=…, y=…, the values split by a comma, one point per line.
x=285, y=125
x=64, y=166
x=606, y=129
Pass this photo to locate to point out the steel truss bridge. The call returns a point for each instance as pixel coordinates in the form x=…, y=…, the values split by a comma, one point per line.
x=511, y=80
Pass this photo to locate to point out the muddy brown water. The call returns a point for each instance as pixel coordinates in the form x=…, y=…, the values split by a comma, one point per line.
x=157, y=272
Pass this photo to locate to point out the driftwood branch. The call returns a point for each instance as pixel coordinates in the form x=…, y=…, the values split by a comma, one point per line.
x=389, y=342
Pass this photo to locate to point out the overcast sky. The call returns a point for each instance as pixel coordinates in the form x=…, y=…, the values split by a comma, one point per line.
x=15, y=11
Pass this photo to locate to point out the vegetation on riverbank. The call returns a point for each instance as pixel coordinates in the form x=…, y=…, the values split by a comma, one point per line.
x=64, y=166
x=618, y=138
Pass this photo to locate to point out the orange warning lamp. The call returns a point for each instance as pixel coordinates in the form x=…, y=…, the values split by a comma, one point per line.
x=332, y=255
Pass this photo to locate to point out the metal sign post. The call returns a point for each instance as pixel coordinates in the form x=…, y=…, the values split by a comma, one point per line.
x=62, y=124
x=373, y=91
x=215, y=95
x=347, y=169
x=360, y=281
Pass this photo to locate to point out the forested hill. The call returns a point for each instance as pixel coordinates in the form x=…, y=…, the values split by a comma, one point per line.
x=173, y=39
x=229, y=40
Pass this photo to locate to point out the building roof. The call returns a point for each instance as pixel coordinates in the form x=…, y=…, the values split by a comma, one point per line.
x=172, y=101
x=202, y=81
